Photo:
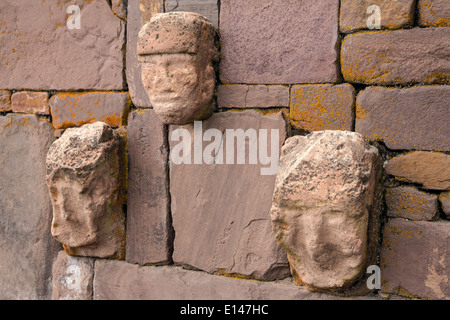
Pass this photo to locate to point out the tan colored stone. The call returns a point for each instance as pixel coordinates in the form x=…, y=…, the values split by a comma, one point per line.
x=85, y=177
x=410, y=203
x=30, y=102
x=5, y=101
x=326, y=207
x=430, y=169
x=444, y=199
x=434, y=13
x=322, y=107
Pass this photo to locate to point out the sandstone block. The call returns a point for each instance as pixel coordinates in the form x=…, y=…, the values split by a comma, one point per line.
x=444, y=199
x=139, y=13
x=30, y=102
x=77, y=109
x=72, y=278
x=412, y=118
x=274, y=42
x=420, y=55
x=430, y=169
x=322, y=107
x=410, y=203
x=85, y=176
x=5, y=101
x=394, y=14
x=415, y=259
x=43, y=49
x=27, y=248
x=434, y=13
x=207, y=8
x=245, y=96
x=149, y=231
x=221, y=220
x=326, y=207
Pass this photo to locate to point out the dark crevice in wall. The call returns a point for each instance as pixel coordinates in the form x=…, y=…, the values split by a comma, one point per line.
x=171, y=230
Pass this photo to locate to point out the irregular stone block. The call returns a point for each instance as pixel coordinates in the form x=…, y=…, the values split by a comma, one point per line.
x=394, y=14
x=244, y=96
x=119, y=7
x=444, y=199
x=149, y=230
x=430, y=169
x=75, y=109
x=72, y=278
x=118, y=280
x=47, y=46
x=415, y=260
x=420, y=55
x=412, y=118
x=30, y=102
x=27, y=248
x=322, y=107
x=207, y=8
x=5, y=101
x=326, y=207
x=274, y=42
x=410, y=203
x=139, y=13
x=221, y=221
x=85, y=177
x=434, y=13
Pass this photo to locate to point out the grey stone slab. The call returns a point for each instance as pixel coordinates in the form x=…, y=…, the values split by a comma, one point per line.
x=207, y=8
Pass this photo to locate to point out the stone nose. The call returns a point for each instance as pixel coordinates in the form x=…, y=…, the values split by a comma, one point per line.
x=162, y=79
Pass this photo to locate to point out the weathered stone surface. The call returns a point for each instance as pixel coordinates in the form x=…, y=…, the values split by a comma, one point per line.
x=207, y=8
x=412, y=118
x=75, y=109
x=420, y=55
x=322, y=107
x=415, y=260
x=85, y=177
x=274, y=42
x=139, y=13
x=149, y=232
x=27, y=248
x=178, y=51
x=220, y=209
x=430, y=169
x=72, y=278
x=326, y=207
x=444, y=199
x=410, y=203
x=119, y=7
x=118, y=280
x=30, y=102
x=434, y=13
x=5, y=100
x=245, y=96
x=40, y=52
x=394, y=14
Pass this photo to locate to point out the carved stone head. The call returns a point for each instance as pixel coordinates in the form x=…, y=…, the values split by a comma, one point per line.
x=177, y=53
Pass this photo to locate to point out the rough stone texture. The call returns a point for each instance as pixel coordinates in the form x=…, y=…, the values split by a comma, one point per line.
x=27, y=248
x=434, y=13
x=444, y=199
x=322, y=107
x=39, y=51
x=410, y=203
x=149, y=234
x=85, y=177
x=420, y=55
x=119, y=7
x=73, y=278
x=5, y=101
x=415, y=259
x=430, y=169
x=139, y=13
x=207, y=8
x=395, y=14
x=245, y=96
x=326, y=207
x=75, y=109
x=220, y=212
x=30, y=102
x=118, y=280
x=412, y=118
x=274, y=42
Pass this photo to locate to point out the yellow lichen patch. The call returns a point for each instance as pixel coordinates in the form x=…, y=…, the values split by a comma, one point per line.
x=222, y=273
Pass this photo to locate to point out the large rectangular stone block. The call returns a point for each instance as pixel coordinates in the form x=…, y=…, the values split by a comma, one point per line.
x=27, y=248
x=46, y=45
x=275, y=41
x=30, y=102
x=434, y=13
x=245, y=96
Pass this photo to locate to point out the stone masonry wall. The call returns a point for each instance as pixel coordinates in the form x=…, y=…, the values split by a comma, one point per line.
x=379, y=68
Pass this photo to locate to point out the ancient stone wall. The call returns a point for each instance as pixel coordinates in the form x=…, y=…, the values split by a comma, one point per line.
x=203, y=230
